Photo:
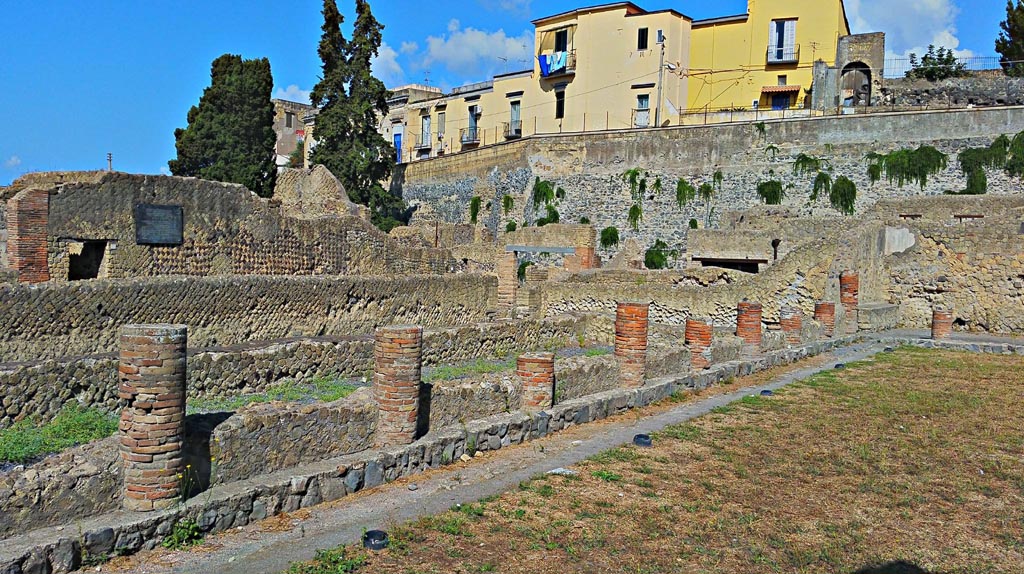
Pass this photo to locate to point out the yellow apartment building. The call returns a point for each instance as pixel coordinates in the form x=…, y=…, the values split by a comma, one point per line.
x=618, y=66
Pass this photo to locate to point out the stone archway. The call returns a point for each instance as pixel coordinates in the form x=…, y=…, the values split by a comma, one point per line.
x=855, y=84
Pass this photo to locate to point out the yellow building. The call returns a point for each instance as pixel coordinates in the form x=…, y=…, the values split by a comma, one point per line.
x=607, y=67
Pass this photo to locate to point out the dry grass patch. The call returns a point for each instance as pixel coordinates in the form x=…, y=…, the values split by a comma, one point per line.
x=915, y=456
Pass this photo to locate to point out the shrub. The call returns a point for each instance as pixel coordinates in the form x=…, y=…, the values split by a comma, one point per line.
x=658, y=255
x=843, y=195
x=474, y=208
x=609, y=237
x=771, y=192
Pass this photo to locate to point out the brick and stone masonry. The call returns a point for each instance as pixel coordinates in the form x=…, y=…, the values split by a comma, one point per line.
x=825, y=313
x=537, y=373
x=748, y=323
x=792, y=321
x=698, y=338
x=398, y=357
x=942, y=323
x=152, y=374
x=508, y=282
x=849, y=296
x=28, y=217
x=631, y=343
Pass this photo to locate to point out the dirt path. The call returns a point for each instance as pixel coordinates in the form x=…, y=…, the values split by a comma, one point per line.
x=271, y=545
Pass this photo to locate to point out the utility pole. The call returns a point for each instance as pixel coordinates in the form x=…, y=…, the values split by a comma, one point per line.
x=661, y=79
x=110, y=161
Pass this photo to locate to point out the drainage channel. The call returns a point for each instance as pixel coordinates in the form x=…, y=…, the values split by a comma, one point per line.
x=343, y=522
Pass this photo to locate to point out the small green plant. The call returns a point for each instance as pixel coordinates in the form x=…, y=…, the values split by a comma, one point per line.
x=693, y=223
x=685, y=193
x=584, y=220
x=759, y=127
x=771, y=192
x=543, y=193
x=474, y=208
x=658, y=255
x=73, y=425
x=596, y=352
x=551, y=216
x=521, y=271
x=843, y=195
x=332, y=561
x=184, y=534
x=717, y=178
x=771, y=151
x=822, y=185
x=609, y=237
x=806, y=164
x=607, y=475
x=510, y=226
x=507, y=204
x=635, y=216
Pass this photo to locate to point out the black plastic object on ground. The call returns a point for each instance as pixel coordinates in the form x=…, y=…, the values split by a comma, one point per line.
x=375, y=539
x=642, y=440
x=767, y=393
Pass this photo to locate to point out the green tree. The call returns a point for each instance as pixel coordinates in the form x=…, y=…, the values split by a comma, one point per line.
x=1010, y=43
x=936, y=64
x=351, y=100
x=297, y=157
x=230, y=134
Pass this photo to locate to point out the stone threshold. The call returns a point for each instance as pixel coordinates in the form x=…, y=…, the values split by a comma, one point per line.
x=60, y=549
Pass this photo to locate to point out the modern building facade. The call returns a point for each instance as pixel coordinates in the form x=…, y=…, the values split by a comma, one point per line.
x=289, y=127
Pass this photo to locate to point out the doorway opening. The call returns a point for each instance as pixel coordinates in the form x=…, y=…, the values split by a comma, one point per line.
x=87, y=262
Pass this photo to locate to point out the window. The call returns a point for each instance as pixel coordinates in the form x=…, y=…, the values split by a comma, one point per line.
x=425, y=130
x=783, y=79
x=440, y=123
x=559, y=105
x=514, y=111
x=661, y=36
x=642, y=115
x=643, y=102
x=641, y=39
x=782, y=41
x=289, y=120
x=562, y=41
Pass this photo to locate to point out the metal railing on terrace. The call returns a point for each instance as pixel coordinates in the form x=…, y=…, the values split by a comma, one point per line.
x=898, y=67
x=513, y=129
x=469, y=135
x=783, y=54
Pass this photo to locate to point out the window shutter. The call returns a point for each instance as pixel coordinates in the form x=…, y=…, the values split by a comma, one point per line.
x=790, y=36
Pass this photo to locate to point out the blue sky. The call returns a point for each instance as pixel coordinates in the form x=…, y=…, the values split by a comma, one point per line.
x=80, y=79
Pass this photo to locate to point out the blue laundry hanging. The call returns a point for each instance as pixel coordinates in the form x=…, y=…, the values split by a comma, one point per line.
x=559, y=61
x=545, y=68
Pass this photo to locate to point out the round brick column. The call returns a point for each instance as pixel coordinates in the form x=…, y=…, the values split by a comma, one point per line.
x=792, y=322
x=537, y=373
x=398, y=356
x=152, y=390
x=631, y=343
x=849, y=296
x=698, y=338
x=748, y=322
x=942, y=323
x=825, y=313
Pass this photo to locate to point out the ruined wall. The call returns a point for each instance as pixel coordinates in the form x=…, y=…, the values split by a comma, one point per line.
x=589, y=168
x=79, y=318
x=988, y=88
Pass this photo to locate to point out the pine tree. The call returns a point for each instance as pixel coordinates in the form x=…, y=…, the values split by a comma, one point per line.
x=351, y=100
x=1010, y=43
x=230, y=135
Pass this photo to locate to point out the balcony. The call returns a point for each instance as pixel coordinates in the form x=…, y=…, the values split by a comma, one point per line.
x=469, y=135
x=642, y=118
x=424, y=141
x=557, y=64
x=513, y=129
x=783, y=54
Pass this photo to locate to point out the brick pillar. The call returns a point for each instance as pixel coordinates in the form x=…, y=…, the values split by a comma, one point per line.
x=942, y=323
x=29, y=214
x=537, y=373
x=849, y=295
x=396, y=383
x=152, y=374
x=825, y=313
x=748, y=322
x=698, y=339
x=631, y=343
x=508, y=283
x=792, y=322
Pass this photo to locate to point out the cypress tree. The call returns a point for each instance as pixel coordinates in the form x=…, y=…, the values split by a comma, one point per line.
x=351, y=100
x=230, y=135
x=1010, y=43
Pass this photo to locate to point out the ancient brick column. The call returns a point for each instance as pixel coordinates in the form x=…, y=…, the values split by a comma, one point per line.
x=631, y=343
x=508, y=283
x=748, y=322
x=825, y=313
x=849, y=296
x=792, y=321
x=396, y=383
x=537, y=373
x=942, y=323
x=152, y=374
x=698, y=339
x=29, y=214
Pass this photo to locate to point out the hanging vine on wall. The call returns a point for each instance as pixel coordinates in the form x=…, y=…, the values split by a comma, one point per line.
x=693, y=223
x=907, y=165
x=771, y=192
x=657, y=256
x=685, y=193
x=1004, y=154
x=510, y=226
x=545, y=193
x=635, y=216
x=507, y=204
x=843, y=195
x=822, y=185
x=805, y=164
x=609, y=237
x=474, y=208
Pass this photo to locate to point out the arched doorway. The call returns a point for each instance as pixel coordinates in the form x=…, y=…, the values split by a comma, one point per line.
x=855, y=84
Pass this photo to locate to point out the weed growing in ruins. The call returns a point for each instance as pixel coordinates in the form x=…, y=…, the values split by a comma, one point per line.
x=323, y=388
x=336, y=561
x=805, y=164
x=477, y=367
x=609, y=237
x=759, y=127
x=771, y=151
x=510, y=226
x=598, y=352
x=584, y=220
x=685, y=193
x=74, y=425
x=843, y=195
x=771, y=192
x=693, y=223
x=474, y=208
x=521, y=270
x=822, y=185
x=658, y=255
x=635, y=216
x=184, y=534
x=906, y=165
x=607, y=475
x=1004, y=154
x=507, y=204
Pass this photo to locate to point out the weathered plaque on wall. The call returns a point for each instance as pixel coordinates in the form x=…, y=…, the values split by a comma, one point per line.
x=159, y=224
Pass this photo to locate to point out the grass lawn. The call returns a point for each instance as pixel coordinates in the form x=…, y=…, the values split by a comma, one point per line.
x=915, y=456
x=25, y=441
x=324, y=389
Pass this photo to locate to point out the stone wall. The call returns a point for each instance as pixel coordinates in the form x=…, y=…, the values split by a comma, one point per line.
x=265, y=438
x=79, y=318
x=589, y=168
x=988, y=88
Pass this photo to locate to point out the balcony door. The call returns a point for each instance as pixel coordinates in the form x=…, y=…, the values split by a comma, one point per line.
x=515, y=121
x=642, y=115
x=425, y=131
x=782, y=41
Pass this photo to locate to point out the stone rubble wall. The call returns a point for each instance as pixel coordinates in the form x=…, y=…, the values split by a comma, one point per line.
x=589, y=168
x=988, y=88
x=58, y=320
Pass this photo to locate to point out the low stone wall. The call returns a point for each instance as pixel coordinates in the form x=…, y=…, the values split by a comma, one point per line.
x=988, y=88
x=81, y=318
x=268, y=437
x=457, y=402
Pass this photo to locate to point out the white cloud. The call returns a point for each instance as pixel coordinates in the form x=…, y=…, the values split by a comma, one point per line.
x=473, y=54
x=909, y=25
x=409, y=47
x=164, y=170
x=292, y=93
x=516, y=6
x=386, y=67
x=12, y=162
